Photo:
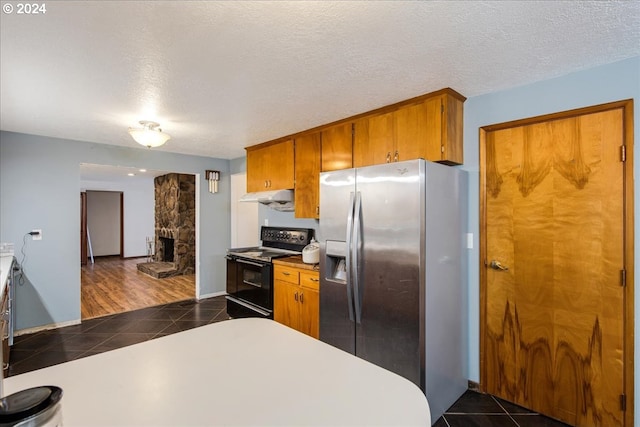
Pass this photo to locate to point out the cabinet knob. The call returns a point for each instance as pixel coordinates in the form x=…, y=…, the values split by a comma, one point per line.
x=295, y=296
x=389, y=157
x=396, y=156
x=301, y=298
x=266, y=183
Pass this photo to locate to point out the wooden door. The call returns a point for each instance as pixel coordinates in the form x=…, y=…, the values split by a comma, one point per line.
x=307, y=162
x=553, y=308
x=83, y=228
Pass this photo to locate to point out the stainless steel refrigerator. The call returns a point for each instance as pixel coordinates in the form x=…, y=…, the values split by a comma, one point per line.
x=391, y=272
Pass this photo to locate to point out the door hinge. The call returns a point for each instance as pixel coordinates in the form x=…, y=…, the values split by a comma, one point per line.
x=623, y=402
x=623, y=278
x=623, y=153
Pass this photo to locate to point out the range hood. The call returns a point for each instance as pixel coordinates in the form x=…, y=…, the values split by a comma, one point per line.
x=268, y=197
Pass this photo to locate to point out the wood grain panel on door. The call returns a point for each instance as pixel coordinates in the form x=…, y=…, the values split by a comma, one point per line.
x=554, y=314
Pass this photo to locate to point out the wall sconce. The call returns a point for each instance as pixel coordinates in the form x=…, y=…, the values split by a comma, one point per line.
x=213, y=177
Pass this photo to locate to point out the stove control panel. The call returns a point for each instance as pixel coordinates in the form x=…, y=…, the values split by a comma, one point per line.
x=287, y=238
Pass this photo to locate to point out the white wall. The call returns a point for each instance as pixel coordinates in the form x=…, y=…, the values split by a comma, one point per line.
x=245, y=229
x=139, y=207
x=103, y=222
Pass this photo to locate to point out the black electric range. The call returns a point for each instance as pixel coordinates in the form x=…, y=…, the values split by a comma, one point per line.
x=250, y=270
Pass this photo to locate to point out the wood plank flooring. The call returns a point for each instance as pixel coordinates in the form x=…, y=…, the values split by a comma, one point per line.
x=114, y=285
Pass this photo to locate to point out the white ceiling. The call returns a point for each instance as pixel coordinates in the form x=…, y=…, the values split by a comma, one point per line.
x=120, y=174
x=223, y=75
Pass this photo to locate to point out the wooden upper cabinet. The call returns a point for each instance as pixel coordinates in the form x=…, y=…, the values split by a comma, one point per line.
x=307, y=176
x=270, y=167
x=430, y=128
x=337, y=147
x=452, y=118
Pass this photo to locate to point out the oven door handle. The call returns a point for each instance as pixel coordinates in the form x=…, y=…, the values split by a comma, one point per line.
x=247, y=282
x=255, y=264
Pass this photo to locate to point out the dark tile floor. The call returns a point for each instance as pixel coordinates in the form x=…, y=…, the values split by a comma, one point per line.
x=475, y=409
x=47, y=348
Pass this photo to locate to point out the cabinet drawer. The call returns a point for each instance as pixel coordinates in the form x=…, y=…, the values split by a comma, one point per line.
x=286, y=274
x=310, y=280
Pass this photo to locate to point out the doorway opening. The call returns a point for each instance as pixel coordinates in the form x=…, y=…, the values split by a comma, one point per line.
x=113, y=283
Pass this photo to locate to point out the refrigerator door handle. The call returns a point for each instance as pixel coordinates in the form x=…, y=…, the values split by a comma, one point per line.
x=357, y=286
x=348, y=255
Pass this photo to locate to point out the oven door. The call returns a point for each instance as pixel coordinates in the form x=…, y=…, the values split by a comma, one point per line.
x=249, y=281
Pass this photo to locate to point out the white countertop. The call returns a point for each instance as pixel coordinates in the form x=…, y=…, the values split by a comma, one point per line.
x=236, y=372
x=5, y=269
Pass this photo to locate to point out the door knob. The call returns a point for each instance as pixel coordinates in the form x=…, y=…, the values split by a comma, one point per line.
x=497, y=266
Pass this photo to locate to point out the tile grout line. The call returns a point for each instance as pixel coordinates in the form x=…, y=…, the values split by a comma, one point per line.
x=507, y=412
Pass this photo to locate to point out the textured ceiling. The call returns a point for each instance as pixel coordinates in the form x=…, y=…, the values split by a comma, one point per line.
x=223, y=75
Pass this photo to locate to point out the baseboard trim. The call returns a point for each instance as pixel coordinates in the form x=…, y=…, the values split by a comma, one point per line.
x=50, y=326
x=211, y=295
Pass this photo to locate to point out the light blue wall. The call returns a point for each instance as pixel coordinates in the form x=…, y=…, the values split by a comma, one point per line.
x=612, y=82
x=39, y=188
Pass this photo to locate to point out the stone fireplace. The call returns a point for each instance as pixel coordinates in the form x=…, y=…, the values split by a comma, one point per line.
x=175, y=236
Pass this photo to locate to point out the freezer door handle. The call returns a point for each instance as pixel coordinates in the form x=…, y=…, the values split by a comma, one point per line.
x=357, y=286
x=348, y=255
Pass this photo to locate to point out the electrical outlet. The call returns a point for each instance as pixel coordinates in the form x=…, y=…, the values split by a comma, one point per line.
x=266, y=222
x=469, y=240
x=37, y=236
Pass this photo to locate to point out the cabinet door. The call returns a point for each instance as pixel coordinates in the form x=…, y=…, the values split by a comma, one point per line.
x=285, y=303
x=337, y=147
x=309, y=312
x=270, y=167
x=281, y=166
x=310, y=303
x=257, y=161
x=433, y=137
x=452, y=153
x=4, y=330
x=307, y=161
x=374, y=140
x=410, y=132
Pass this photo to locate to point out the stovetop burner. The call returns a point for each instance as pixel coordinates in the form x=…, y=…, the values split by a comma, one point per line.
x=277, y=242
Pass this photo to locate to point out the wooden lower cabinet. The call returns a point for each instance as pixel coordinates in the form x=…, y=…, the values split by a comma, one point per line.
x=296, y=300
x=4, y=330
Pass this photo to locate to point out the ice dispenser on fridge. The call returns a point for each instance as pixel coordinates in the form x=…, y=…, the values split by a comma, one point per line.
x=335, y=261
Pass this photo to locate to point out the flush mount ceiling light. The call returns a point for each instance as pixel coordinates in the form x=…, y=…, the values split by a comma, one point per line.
x=150, y=135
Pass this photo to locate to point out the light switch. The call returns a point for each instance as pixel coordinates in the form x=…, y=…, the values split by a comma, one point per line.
x=469, y=240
